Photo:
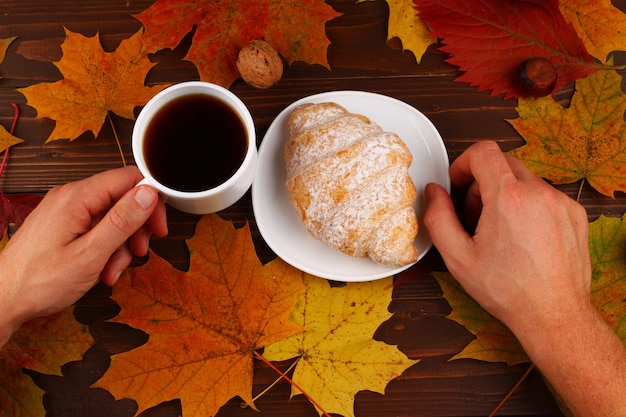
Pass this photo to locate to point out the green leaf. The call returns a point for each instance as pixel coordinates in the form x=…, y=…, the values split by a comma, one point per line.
x=494, y=341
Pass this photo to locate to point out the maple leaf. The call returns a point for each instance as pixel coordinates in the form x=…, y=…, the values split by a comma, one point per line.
x=7, y=140
x=405, y=24
x=585, y=140
x=494, y=341
x=43, y=345
x=204, y=324
x=294, y=28
x=489, y=40
x=95, y=82
x=607, y=245
x=16, y=207
x=600, y=25
x=4, y=240
x=4, y=45
x=338, y=356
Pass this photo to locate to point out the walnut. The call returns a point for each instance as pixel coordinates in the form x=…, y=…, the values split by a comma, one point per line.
x=259, y=64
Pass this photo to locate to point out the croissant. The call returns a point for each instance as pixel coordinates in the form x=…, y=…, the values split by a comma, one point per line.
x=349, y=183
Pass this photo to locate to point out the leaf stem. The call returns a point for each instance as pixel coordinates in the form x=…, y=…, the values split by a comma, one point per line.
x=276, y=381
x=286, y=378
x=517, y=385
x=580, y=190
x=117, y=139
x=16, y=115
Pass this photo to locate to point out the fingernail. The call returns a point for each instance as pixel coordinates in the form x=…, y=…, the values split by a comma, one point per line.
x=117, y=276
x=145, y=197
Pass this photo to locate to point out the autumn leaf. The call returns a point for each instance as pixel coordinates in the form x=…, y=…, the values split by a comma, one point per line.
x=600, y=25
x=4, y=240
x=489, y=40
x=585, y=140
x=95, y=82
x=296, y=29
x=4, y=45
x=16, y=207
x=44, y=345
x=494, y=341
x=205, y=324
x=405, y=24
x=338, y=356
x=607, y=245
x=7, y=140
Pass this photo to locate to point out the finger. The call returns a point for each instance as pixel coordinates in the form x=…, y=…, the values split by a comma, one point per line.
x=117, y=263
x=106, y=188
x=444, y=227
x=125, y=218
x=139, y=241
x=519, y=169
x=483, y=162
x=157, y=223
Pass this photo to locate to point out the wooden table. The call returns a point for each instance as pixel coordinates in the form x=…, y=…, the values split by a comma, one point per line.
x=361, y=59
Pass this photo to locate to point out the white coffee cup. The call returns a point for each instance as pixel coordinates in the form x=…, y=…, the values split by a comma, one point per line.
x=217, y=197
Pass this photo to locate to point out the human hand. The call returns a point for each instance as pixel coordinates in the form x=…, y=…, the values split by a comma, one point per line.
x=81, y=232
x=527, y=262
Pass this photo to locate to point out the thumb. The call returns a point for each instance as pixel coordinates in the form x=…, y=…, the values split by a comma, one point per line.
x=127, y=216
x=444, y=226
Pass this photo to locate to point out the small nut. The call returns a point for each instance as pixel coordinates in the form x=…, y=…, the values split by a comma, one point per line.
x=259, y=64
x=536, y=77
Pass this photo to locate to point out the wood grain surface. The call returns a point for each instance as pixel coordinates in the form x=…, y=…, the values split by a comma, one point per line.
x=361, y=58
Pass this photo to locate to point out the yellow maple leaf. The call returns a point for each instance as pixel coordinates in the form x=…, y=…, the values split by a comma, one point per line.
x=95, y=82
x=600, y=25
x=338, y=356
x=204, y=324
x=494, y=341
x=42, y=344
x=607, y=245
x=585, y=140
x=404, y=23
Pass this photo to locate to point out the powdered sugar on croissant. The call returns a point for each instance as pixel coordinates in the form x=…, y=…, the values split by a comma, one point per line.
x=349, y=182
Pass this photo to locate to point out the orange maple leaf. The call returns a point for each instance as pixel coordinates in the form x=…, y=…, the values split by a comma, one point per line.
x=4, y=45
x=294, y=28
x=7, y=140
x=600, y=25
x=205, y=324
x=585, y=140
x=94, y=82
x=43, y=345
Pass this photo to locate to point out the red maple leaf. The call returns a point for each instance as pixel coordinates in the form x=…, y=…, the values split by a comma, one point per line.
x=296, y=29
x=15, y=207
x=490, y=39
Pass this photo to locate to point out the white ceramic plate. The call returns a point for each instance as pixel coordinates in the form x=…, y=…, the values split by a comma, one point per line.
x=279, y=223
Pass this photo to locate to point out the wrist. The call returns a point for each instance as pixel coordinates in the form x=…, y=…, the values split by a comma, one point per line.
x=554, y=326
x=13, y=311
x=582, y=358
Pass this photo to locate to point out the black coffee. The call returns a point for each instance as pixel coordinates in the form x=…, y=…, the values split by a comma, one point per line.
x=194, y=143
